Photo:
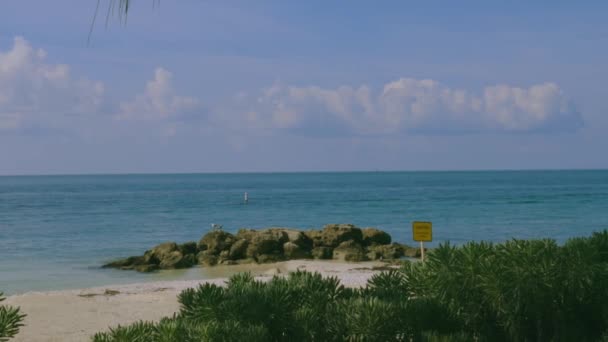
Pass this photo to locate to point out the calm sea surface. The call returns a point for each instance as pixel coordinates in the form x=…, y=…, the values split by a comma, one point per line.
x=55, y=231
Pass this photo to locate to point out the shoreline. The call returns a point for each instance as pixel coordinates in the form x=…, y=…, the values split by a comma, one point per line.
x=77, y=314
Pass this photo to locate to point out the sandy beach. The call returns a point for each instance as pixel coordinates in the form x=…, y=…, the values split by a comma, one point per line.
x=75, y=315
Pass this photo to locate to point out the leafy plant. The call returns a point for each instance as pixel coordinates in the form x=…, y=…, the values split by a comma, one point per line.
x=515, y=291
x=11, y=320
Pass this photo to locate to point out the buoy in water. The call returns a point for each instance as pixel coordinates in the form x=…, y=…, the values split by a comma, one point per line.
x=246, y=198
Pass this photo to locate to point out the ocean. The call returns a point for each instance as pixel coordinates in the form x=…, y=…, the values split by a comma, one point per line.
x=56, y=231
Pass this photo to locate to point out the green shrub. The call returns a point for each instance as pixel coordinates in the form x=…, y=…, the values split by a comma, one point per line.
x=11, y=320
x=520, y=290
x=367, y=319
x=515, y=291
x=176, y=329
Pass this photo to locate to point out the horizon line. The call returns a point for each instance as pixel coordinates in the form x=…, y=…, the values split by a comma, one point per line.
x=294, y=172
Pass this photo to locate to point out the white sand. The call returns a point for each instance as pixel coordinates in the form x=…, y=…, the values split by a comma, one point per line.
x=75, y=315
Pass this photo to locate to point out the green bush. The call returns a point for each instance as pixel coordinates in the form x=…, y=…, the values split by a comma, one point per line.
x=515, y=291
x=520, y=290
x=10, y=321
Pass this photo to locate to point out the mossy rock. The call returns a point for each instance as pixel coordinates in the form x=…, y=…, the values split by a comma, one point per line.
x=265, y=242
x=349, y=251
x=159, y=252
x=126, y=263
x=315, y=236
x=295, y=251
x=268, y=258
x=206, y=259
x=294, y=236
x=216, y=241
x=177, y=260
x=392, y=251
x=374, y=236
x=238, y=249
x=338, y=241
x=188, y=248
x=322, y=252
x=334, y=234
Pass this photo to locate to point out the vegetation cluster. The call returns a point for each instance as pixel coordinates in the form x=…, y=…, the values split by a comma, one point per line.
x=11, y=319
x=520, y=290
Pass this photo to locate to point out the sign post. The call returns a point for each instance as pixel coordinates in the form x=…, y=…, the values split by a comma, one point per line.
x=422, y=232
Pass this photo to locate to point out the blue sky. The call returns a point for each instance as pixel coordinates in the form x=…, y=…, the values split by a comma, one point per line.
x=210, y=86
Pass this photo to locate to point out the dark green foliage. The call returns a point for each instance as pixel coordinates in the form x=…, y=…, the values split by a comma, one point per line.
x=10, y=321
x=138, y=332
x=367, y=319
x=389, y=285
x=516, y=291
x=182, y=330
x=520, y=290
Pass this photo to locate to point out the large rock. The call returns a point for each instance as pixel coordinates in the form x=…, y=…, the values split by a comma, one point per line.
x=316, y=236
x=238, y=249
x=158, y=253
x=334, y=234
x=373, y=236
x=339, y=241
x=266, y=242
x=295, y=236
x=349, y=251
x=267, y=258
x=167, y=255
x=246, y=234
x=250, y=234
x=126, y=263
x=392, y=251
x=188, y=248
x=224, y=258
x=176, y=259
x=206, y=259
x=322, y=252
x=294, y=251
x=216, y=241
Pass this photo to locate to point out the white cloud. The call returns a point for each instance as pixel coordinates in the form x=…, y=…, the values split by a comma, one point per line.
x=34, y=92
x=158, y=102
x=410, y=105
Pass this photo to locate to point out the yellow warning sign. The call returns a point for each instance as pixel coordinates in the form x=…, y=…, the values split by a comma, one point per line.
x=423, y=231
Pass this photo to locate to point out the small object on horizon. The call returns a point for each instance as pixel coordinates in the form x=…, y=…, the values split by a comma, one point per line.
x=246, y=197
x=215, y=227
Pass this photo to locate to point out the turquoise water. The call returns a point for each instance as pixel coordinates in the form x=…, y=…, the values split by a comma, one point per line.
x=55, y=231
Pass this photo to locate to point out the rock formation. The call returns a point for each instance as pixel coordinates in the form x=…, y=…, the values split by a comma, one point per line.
x=343, y=242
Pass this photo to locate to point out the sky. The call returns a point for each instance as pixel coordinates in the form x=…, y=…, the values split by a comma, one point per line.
x=286, y=86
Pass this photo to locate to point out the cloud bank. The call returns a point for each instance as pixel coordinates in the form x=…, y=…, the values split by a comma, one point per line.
x=34, y=92
x=158, y=101
x=411, y=105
